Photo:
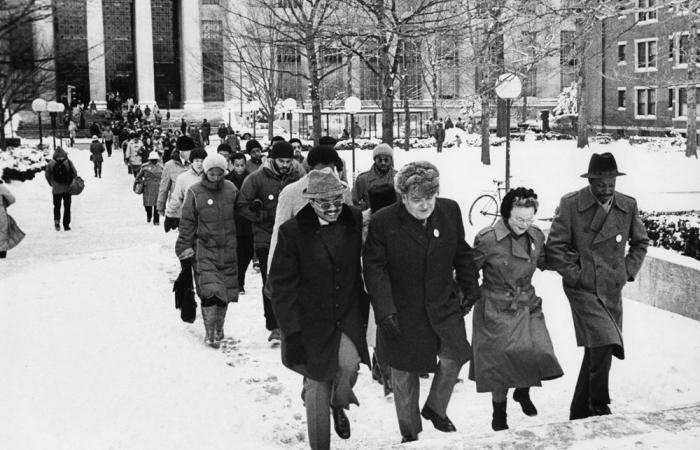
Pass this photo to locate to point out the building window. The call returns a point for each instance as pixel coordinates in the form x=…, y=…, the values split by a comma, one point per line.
x=621, y=53
x=210, y=2
x=671, y=98
x=212, y=61
x=646, y=11
x=411, y=70
x=568, y=60
x=646, y=55
x=671, y=47
x=683, y=47
x=621, y=97
x=290, y=76
x=333, y=85
x=448, y=77
x=682, y=106
x=370, y=83
x=646, y=103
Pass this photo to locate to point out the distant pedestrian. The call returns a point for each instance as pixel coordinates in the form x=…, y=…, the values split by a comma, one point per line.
x=185, y=180
x=176, y=165
x=206, y=131
x=150, y=174
x=183, y=126
x=296, y=145
x=254, y=149
x=439, y=136
x=133, y=154
x=10, y=234
x=244, y=229
x=72, y=132
x=59, y=174
x=381, y=173
x=448, y=124
x=108, y=137
x=96, y=151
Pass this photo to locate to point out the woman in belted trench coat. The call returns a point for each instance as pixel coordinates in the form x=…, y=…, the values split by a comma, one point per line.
x=511, y=344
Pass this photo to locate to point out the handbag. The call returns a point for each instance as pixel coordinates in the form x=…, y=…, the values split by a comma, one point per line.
x=14, y=233
x=138, y=187
x=76, y=186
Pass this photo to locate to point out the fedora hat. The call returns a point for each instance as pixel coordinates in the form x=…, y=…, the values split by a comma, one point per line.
x=323, y=183
x=602, y=166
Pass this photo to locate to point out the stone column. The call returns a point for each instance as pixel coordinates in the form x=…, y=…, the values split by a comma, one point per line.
x=96, y=53
x=44, y=48
x=191, y=55
x=143, y=43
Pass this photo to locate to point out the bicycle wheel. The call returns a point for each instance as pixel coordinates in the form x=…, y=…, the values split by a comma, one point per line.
x=484, y=211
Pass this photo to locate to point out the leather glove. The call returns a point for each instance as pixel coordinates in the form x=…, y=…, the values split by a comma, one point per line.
x=256, y=205
x=171, y=223
x=294, y=351
x=390, y=326
x=186, y=253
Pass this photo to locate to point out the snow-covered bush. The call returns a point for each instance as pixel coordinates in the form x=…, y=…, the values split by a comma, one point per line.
x=22, y=163
x=674, y=143
x=674, y=231
x=362, y=144
x=567, y=100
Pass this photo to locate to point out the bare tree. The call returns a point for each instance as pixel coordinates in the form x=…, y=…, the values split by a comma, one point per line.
x=23, y=75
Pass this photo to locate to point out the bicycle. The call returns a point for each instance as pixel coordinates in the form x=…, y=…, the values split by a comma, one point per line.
x=485, y=209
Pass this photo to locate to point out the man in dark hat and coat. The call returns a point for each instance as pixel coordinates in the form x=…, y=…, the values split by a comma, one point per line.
x=586, y=245
x=317, y=294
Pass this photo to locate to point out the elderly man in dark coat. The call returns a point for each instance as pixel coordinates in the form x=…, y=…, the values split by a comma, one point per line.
x=586, y=245
x=412, y=251
x=317, y=294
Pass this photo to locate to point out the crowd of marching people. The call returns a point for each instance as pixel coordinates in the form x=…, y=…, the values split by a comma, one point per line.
x=384, y=264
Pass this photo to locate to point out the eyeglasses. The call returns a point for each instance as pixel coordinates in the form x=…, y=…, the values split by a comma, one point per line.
x=328, y=204
x=521, y=221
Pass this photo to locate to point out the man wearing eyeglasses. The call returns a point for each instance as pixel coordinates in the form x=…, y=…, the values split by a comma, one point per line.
x=317, y=294
x=380, y=174
x=587, y=245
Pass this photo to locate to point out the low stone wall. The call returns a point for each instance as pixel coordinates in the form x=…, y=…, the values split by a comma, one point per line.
x=668, y=281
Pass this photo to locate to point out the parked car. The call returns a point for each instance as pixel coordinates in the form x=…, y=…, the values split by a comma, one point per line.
x=261, y=131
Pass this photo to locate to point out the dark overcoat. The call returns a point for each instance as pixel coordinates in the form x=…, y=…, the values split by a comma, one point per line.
x=151, y=175
x=96, y=151
x=409, y=271
x=512, y=347
x=587, y=247
x=316, y=288
x=208, y=227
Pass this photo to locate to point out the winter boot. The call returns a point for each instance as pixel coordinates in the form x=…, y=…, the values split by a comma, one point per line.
x=220, y=318
x=499, y=421
x=522, y=396
x=209, y=318
x=57, y=225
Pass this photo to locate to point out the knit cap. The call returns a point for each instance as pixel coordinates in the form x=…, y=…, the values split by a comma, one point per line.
x=281, y=149
x=383, y=149
x=251, y=144
x=213, y=161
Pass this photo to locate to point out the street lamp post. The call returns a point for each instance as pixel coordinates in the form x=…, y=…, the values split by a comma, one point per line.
x=353, y=105
x=39, y=106
x=54, y=108
x=254, y=106
x=508, y=87
x=290, y=105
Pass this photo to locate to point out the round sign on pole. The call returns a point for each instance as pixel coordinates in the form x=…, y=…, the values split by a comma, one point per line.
x=508, y=86
x=289, y=104
x=353, y=104
x=39, y=105
x=55, y=107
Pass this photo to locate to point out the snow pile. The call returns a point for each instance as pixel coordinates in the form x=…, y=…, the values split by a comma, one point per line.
x=23, y=162
x=362, y=144
x=675, y=231
x=458, y=137
x=675, y=143
x=567, y=100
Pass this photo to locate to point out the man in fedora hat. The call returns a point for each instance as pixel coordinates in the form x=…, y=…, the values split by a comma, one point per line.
x=318, y=297
x=586, y=245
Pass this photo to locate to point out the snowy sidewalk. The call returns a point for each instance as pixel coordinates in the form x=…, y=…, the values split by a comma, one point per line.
x=95, y=355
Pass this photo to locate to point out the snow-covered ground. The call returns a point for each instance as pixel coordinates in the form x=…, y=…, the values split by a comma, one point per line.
x=95, y=355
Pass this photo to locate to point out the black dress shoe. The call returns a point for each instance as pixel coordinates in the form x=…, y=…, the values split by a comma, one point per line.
x=405, y=439
x=522, y=396
x=341, y=422
x=440, y=423
x=600, y=410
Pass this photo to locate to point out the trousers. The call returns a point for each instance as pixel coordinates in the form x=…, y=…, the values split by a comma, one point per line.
x=319, y=396
x=407, y=389
x=57, y=199
x=593, y=381
x=270, y=319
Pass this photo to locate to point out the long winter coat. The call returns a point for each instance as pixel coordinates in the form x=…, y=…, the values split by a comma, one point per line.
x=9, y=238
x=368, y=180
x=587, y=247
x=409, y=271
x=184, y=182
x=264, y=184
x=208, y=227
x=59, y=157
x=151, y=175
x=172, y=169
x=134, y=152
x=512, y=347
x=96, y=151
x=316, y=288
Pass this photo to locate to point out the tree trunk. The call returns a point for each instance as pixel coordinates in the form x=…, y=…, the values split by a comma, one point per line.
x=433, y=98
x=387, y=95
x=349, y=83
x=407, y=113
x=501, y=118
x=315, y=83
x=691, y=148
x=485, y=135
x=3, y=145
x=581, y=44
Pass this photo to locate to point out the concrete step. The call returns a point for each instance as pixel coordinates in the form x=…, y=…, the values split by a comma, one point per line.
x=677, y=428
